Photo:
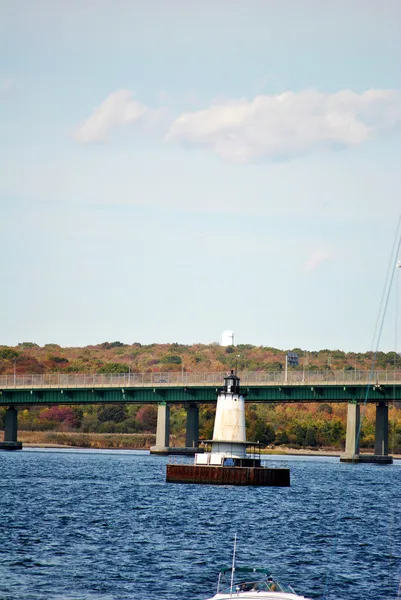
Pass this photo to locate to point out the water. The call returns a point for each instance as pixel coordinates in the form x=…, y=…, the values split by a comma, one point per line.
x=98, y=525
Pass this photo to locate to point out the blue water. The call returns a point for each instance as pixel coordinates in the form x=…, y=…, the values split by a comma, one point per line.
x=98, y=525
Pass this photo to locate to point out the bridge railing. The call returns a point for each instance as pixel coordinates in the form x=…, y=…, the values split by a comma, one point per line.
x=87, y=380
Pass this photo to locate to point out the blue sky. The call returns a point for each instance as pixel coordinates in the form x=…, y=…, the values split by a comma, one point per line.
x=174, y=169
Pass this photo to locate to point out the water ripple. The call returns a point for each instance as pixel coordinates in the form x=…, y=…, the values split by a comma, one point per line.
x=105, y=526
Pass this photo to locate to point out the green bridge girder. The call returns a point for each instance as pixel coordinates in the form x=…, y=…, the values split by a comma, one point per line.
x=200, y=394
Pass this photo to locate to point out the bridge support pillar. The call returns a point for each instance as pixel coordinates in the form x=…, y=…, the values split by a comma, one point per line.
x=381, y=439
x=353, y=424
x=162, y=430
x=192, y=432
x=11, y=431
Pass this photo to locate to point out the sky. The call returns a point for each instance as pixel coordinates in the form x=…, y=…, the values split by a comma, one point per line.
x=173, y=169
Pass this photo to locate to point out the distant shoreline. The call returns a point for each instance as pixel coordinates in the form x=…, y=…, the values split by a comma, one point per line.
x=320, y=452
x=277, y=452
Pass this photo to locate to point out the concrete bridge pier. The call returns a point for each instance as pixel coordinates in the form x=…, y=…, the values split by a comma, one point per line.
x=352, y=454
x=381, y=437
x=192, y=431
x=11, y=431
x=162, y=430
x=352, y=434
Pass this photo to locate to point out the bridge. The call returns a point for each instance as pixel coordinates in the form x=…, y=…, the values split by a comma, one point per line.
x=191, y=389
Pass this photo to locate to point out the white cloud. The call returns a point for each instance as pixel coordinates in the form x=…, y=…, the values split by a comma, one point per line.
x=318, y=257
x=288, y=124
x=119, y=108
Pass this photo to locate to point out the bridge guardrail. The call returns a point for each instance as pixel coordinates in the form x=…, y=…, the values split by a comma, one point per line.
x=179, y=378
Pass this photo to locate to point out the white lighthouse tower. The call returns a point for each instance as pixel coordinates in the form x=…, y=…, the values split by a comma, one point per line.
x=228, y=446
x=229, y=433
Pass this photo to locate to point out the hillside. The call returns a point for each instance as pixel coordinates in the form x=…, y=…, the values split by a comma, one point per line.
x=116, y=357
x=302, y=425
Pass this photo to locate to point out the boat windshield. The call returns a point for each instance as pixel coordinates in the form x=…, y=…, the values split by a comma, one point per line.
x=249, y=580
x=272, y=585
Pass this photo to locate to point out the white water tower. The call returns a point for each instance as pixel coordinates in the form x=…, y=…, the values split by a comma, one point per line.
x=227, y=338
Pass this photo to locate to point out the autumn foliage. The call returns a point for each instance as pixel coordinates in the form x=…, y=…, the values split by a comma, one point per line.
x=301, y=425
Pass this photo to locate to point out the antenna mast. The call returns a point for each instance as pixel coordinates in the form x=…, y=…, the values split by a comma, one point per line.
x=233, y=565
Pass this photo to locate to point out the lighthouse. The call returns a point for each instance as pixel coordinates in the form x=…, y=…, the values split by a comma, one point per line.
x=229, y=433
x=227, y=462
x=229, y=443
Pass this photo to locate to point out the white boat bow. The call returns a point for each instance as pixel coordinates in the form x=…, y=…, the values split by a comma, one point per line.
x=248, y=583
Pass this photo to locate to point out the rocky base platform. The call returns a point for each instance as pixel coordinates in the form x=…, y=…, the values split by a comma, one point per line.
x=10, y=445
x=367, y=458
x=206, y=474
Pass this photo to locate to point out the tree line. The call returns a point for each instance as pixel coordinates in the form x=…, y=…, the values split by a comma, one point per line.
x=299, y=425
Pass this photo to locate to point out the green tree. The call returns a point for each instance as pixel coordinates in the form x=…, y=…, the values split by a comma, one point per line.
x=8, y=353
x=59, y=359
x=298, y=432
x=89, y=423
x=274, y=366
x=310, y=437
x=110, y=345
x=264, y=433
x=282, y=437
x=114, y=368
x=115, y=413
x=397, y=442
x=107, y=427
x=171, y=359
x=27, y=345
